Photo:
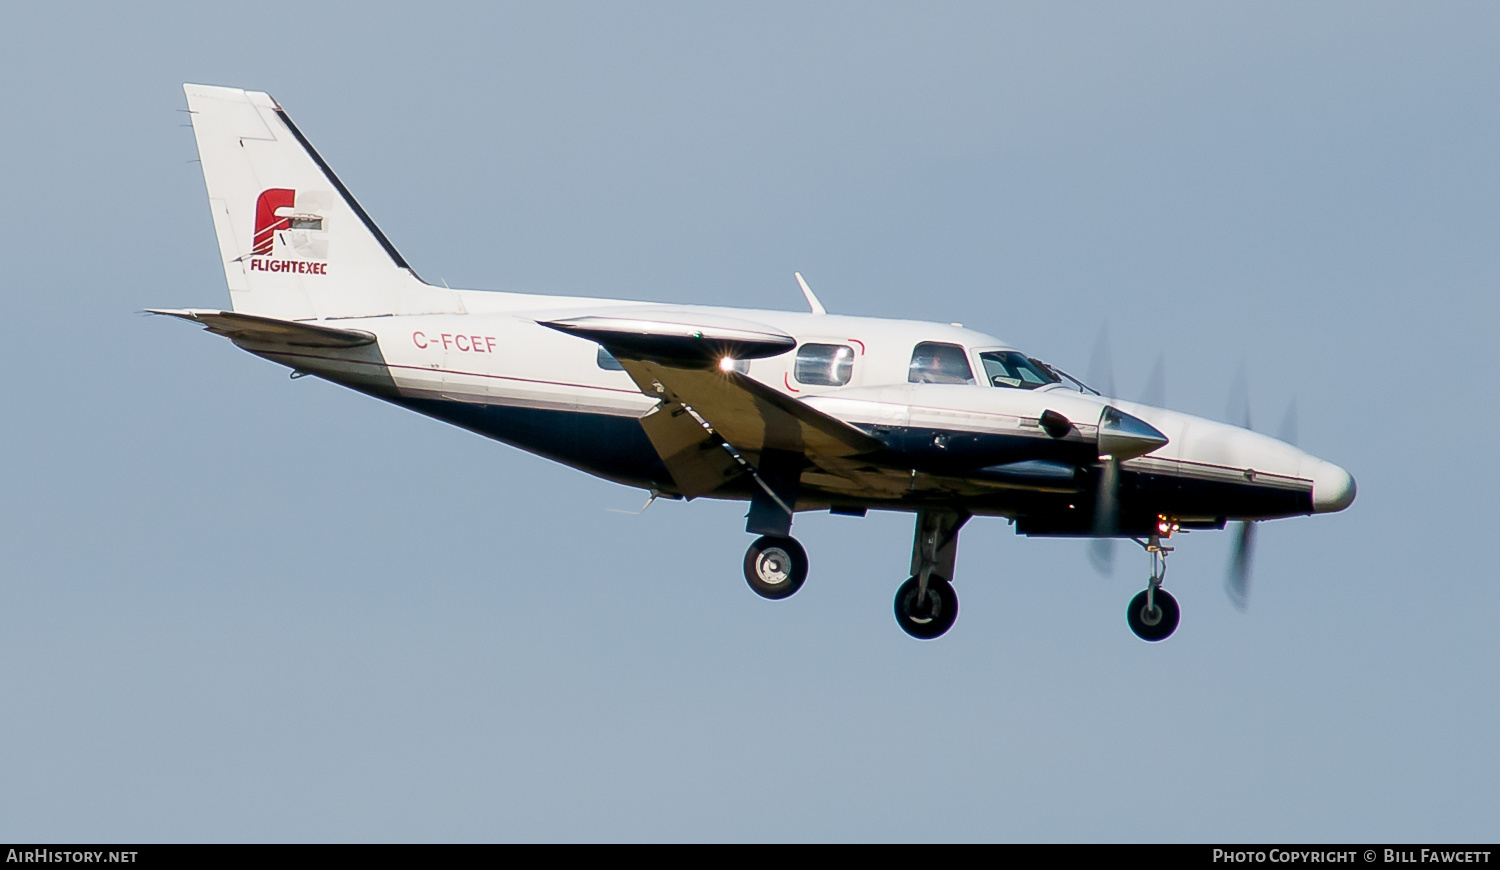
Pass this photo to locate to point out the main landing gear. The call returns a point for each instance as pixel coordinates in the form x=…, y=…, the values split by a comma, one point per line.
x=775, y=566
x=926, y=611
x=1153, y=614
x=926, y=605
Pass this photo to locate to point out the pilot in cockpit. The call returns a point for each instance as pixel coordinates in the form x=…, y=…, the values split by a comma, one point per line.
x=934, y=363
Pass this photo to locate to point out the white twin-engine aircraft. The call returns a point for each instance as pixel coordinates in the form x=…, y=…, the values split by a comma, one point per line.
x=790, y=412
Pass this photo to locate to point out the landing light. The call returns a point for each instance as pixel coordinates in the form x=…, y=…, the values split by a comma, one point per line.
x=726, y=364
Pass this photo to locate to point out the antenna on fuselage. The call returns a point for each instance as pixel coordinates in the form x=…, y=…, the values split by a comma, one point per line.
x=812, y=301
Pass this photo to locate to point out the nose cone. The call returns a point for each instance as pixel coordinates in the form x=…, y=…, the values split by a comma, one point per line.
x=1125, y=437
x=1333, y=488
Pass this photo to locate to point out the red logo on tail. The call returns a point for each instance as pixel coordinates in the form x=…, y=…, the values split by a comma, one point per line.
x=266, y=220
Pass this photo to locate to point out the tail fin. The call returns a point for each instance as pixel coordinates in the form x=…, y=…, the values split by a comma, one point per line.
x=294, y=242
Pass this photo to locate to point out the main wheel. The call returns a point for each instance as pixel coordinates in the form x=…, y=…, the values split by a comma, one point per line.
x=931, y=617
x=775, y=567
x=1157, y=625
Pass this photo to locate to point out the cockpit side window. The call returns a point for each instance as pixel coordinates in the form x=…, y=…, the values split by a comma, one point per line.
x=1007, y=368
x=936, y=363
x=824, y=365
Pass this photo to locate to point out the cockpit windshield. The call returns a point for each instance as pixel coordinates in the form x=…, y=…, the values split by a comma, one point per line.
x=1007, y=368
x=1015, y=370
x=1068, y=380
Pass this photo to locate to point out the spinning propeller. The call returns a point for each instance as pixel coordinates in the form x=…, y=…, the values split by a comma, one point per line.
x=1237, y=575
x=1106, y=500
x=1106, y=503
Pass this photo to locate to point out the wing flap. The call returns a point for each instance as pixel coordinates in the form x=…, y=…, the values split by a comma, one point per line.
x=695, y=458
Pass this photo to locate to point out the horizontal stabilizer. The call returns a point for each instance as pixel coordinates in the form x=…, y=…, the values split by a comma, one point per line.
x=239, y=327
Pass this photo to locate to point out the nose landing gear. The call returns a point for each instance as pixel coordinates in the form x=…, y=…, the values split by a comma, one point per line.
x=1153, y=614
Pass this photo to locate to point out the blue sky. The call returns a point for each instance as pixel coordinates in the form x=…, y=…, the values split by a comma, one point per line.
x=236, y=607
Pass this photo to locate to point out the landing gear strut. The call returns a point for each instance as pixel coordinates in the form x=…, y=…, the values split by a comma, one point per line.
x=926, y=605
x=775, y=566
x=1153, y=614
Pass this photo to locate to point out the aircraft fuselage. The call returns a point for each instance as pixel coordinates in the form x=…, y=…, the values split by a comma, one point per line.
x=499, y=373
x=790, y=411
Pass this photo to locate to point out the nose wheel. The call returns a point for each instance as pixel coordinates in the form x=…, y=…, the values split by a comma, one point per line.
x=1153, y=613
x=775, y=566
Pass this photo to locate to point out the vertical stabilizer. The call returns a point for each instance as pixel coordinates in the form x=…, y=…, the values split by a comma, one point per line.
x=295, y=244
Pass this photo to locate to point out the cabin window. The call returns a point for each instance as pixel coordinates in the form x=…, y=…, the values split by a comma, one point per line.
x=1007, y=368
x=306, y=222
x=608, y=362
x=936, y=363
x=824, y=365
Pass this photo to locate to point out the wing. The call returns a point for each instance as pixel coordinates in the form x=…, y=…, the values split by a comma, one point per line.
x=693, y=454
x=676, y=360
x=748, y=414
